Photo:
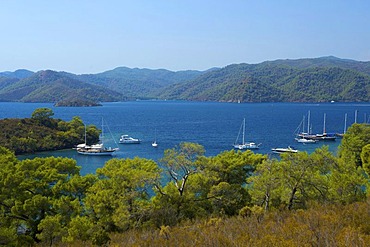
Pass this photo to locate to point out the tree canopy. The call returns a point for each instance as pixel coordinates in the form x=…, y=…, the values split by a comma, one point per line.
x=46, y=199
x=42, y=133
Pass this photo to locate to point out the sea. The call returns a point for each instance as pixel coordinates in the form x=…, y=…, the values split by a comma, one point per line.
x=213, y=125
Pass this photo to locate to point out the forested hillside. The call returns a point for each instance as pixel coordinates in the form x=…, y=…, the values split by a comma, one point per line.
x=52, y=87
x=323, y=62
x=19, y=74
x=286, y=81
x=292, y=80
x=139, y=83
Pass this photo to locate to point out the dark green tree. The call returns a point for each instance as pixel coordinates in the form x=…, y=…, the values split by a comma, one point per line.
x=43, y=115
x=356, y=137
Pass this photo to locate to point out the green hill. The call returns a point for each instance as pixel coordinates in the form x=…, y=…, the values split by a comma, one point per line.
x=138, y=83
x=303, y=80
x=329, y=61
x=19, y=73
x=290, y=80
x=51, y=86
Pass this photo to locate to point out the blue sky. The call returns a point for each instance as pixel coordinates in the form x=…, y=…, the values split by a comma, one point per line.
x=94, y=36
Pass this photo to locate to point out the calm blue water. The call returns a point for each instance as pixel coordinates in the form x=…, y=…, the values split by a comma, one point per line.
x=213, y=125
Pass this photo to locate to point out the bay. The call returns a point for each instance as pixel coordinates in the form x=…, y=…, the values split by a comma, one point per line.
x=211, y=124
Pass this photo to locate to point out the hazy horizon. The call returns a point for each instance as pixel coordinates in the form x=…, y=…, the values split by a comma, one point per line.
x=87, y=37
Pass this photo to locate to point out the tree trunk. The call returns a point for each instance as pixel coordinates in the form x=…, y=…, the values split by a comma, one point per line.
x=291, y=199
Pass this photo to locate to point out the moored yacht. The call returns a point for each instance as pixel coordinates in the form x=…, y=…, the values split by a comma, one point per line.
x=126, y=139
x=95, y=149
x=289, y=149
x=243, y=144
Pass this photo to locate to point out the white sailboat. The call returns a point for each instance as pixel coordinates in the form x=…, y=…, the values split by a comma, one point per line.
x=325, y=136
x=95, y=149
x=154, y=143
x=315, y=137
x=301, y=137
x=243, y=144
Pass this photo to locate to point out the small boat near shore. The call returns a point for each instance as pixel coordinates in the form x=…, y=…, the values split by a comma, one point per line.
x=289, y=149
x=95, y=149
x=305, y=141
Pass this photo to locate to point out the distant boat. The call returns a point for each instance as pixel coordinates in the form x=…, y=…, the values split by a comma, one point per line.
x=289, y=149
x=243, y=144
x=301, y=137
x=324, y=136
x=318, y=137
x=95, y=149
x=154, y=143
x=126, y=139
x=305, y=141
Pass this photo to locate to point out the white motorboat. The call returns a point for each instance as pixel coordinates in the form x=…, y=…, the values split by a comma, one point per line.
x=289, y=149
x=126, y=139
x=305, y=141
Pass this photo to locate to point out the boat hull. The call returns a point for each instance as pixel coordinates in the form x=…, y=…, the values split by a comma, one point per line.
x=284, y=150
x=246, y=146
x=130, y=142
x=97, y=153
x=306, y=141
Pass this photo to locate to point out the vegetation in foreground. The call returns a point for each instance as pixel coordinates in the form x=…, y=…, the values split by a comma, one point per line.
x=234, y=198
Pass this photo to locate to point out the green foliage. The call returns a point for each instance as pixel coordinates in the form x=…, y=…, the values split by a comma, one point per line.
x=299, y=178
x=202, y=186
x=356, y=137
x=34, y=196
x=365, y=158
x=234, y=198
x=41, y=133
x=42, y=114
x=120, y=198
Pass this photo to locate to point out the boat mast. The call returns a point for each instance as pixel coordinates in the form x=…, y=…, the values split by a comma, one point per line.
x=102, y=130
x=308, y=123
x=345, y=123
x=85, y=135
x=243, y=130
x=324, y=128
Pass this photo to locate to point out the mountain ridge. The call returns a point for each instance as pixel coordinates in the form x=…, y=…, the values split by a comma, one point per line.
x=324, y=79
x=289, y=80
